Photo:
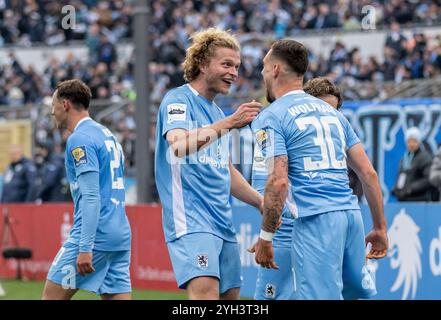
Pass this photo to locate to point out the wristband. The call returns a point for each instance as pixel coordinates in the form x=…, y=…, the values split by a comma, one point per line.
x=268, y=236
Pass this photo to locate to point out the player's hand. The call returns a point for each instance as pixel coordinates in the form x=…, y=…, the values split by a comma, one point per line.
x=84, y=263
x=379, y=242
x=246, y=113
x=264, y=253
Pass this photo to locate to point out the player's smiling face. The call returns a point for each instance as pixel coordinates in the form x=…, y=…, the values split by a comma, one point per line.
x=222, y=70
x=58, y=112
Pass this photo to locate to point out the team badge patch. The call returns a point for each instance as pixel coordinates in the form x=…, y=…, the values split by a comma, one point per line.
x=202, y=260
x=176, y=112
x=270, y=291
x=79, y=155
x=263, y=138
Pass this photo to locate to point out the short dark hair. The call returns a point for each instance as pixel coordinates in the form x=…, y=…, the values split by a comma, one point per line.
x=76, y=91
x=293, y=53
x=321, y=86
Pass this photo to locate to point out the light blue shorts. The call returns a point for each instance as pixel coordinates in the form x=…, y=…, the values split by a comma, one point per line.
x=275, y=284
x=204, y=254
x=328, y=257
x=111, y=276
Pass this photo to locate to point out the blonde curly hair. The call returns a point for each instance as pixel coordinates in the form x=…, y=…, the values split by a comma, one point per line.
x=203, y=48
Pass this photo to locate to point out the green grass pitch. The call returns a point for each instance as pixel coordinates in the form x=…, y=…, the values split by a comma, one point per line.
x=31, y=290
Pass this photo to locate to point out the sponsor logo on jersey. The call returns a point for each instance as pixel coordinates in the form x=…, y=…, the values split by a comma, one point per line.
x=262, y=138
x=79, y=155
x=176, y=112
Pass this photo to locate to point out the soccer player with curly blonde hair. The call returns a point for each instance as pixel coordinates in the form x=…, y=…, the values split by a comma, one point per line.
x=193, y=171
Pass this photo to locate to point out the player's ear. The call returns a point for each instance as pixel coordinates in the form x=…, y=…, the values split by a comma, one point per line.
x=203, y=67
x=276, y=70
x=66, y=105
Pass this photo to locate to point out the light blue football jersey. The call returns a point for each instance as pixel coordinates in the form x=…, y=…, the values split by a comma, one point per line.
x=315, y=137
x=195, y=189
x=259, y=177
x=92, y=147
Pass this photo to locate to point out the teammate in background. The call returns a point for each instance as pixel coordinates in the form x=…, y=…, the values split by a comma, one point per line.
x=194, y=174
x=325, y=90
x=96, y=256
x=306, y=144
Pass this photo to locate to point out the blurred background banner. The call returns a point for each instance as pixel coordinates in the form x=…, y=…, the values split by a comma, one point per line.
x=381, y=127
x=17, y=132
x=43, y=229
x=412, y=269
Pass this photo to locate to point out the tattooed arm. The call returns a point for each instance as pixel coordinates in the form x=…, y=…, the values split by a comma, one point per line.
x=275, y=192
x=274, y=199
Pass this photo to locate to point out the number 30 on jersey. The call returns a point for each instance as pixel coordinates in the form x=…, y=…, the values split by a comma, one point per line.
x=324, y=140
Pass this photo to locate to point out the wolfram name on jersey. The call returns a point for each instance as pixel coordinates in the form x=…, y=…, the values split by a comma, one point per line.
x=310, y=107
x=316, y=138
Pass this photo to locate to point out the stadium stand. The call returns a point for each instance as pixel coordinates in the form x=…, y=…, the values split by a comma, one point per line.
x=101, y=25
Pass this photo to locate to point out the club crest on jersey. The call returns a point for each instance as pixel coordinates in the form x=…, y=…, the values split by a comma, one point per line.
x=270, y=291
x=79, y=155
x=176, y=112
x=262, y=138
x=202, y=260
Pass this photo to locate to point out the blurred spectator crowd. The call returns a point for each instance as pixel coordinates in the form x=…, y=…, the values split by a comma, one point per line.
x=404, y=58
x=23, y=22
x=100, y=25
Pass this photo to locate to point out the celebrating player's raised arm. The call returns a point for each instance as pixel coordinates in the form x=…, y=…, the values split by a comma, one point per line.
x=186, y=142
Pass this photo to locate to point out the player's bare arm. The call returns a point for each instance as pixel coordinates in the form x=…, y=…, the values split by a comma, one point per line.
x=359, y=162
x=274, y=200
x=186, y=142
x=241, y=189
x=275, y=192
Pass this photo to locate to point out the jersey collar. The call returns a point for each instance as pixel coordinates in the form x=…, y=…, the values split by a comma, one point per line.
x=198, y=95
x=192, y=89
x=81, y=121
x=294, y=92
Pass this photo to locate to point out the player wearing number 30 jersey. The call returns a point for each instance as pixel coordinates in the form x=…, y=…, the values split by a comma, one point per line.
x=96, y=256
x=307, y=145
